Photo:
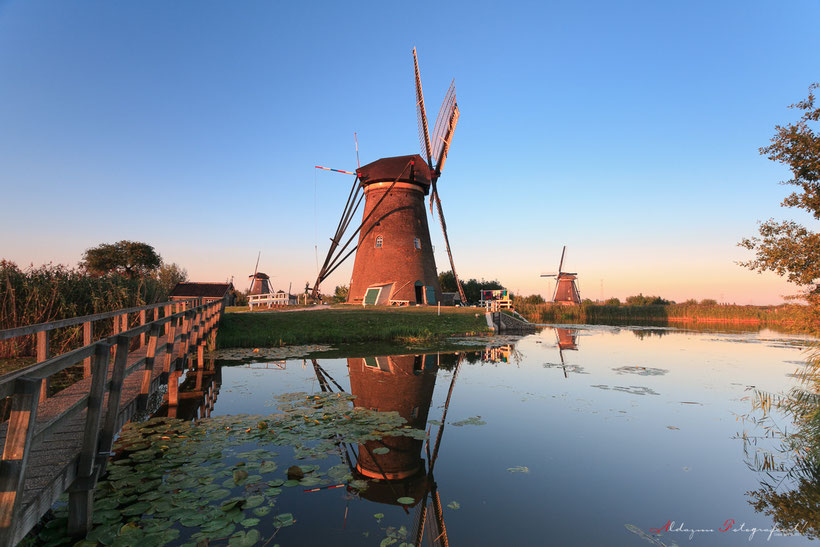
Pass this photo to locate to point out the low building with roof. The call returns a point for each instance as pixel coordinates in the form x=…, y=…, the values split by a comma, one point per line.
x=208, y=292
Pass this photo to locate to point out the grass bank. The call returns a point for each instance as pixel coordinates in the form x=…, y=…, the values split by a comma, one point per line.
x=786, y=315
x=346, y=326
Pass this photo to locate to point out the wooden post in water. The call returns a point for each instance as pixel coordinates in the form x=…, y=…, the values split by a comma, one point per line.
x=15, y=455
x=81, y=492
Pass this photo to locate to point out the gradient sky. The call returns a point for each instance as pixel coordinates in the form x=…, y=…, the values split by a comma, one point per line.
x=627, y=131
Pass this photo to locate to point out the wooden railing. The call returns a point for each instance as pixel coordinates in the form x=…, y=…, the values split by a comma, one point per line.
x=184, y=328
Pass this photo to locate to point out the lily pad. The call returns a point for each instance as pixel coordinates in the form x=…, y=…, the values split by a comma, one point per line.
x=406, y=500
x=381, y=450
x=282, y=520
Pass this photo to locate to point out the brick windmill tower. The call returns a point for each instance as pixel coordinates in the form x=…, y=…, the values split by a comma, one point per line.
x=566, y=291
x=394, y=261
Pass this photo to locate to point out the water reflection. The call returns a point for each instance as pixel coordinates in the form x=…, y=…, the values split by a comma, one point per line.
x=788, y=459
x=397, y=470
x=191, y=394
x=566, y=339
x=675, y=428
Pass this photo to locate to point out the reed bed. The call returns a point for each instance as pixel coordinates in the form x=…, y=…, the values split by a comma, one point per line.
x=52, y=291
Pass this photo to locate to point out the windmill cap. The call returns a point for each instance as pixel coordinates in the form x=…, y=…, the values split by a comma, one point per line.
x=260, y=275
x=389, y=169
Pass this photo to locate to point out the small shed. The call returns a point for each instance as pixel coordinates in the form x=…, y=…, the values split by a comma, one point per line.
x=208, y=292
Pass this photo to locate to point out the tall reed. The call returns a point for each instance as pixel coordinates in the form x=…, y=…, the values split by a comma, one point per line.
x=53, y=291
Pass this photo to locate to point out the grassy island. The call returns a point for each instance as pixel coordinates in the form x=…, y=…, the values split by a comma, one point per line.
x=347, y=325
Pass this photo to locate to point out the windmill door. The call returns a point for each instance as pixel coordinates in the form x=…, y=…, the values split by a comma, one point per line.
x=371, y=296
x=419, y=293
x=431, y=295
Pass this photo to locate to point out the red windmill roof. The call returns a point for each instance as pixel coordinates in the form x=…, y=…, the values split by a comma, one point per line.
x=388, y=169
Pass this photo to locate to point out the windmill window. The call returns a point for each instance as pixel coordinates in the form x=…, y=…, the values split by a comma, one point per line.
x=416, y=243
x=379, y=242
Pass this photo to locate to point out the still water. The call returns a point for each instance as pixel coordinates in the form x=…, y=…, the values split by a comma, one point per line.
x=585, y=435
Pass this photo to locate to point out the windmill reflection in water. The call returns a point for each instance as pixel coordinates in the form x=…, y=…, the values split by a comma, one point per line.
x=404, y=384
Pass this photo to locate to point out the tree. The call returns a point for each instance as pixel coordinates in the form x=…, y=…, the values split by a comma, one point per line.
x=641, y=300
x=473, y=287
x=341, y=294
x=129, y=258
x=613, y=302
x=788, y=248
x=169, y=275
x=447, y=281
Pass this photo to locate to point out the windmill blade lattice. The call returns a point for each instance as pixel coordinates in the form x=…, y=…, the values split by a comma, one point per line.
x=444, y=128
x=424, y=134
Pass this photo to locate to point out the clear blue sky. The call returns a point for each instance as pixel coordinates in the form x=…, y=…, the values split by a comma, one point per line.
x=627, y=131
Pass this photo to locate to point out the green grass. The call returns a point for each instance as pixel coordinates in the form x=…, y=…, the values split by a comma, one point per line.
x=347, y=326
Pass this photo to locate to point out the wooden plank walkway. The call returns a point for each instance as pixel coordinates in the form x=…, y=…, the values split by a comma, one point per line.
x=65, y=446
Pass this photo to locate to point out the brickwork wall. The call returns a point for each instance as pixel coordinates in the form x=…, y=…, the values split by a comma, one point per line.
x=399, y=219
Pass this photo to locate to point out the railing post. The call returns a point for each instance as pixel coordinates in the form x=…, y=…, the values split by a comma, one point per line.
x=142, y=322
x=148, y=373
x=112, y=414
x=15, y=455
x=81, y=493
x=169, y=345
x=183, y=341
x=167, y=313
x=88, y=335
x=43, y=350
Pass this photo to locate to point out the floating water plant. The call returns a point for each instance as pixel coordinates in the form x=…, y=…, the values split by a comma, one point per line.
x=475, y=420
x=215, y=479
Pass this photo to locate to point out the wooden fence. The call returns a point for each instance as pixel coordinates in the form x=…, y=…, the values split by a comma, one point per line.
x=57, y=442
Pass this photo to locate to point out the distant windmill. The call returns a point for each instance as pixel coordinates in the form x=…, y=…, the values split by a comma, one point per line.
x=566, y=291
x=260, y=283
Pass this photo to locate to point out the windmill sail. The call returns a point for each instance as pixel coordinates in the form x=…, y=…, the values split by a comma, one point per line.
x=424, y=134
x=444, y=128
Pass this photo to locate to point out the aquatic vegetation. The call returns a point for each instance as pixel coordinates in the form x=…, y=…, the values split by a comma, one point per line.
x=641, y=371
x=634, y=390
x=474, y=420
x=290, y=352
x=519, y=469
x=218, y=479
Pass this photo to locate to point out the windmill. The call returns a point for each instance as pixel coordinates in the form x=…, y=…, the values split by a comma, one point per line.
x=394, y=255
x=260, y=282
x=566, y=291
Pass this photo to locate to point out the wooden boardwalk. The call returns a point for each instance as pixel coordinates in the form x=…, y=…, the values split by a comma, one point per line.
x=61, y=443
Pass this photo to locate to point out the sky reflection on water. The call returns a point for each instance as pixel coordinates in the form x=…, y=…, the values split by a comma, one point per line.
x=615, y=427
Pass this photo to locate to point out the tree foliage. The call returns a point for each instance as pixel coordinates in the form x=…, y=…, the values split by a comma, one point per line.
x=340, y=294
x=472, y=287
x=169, y=275
x=786, y=247
x=129, y=258
x=447, y=281
x=641, y=300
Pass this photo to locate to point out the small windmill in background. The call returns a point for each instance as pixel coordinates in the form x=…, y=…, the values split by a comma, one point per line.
x=260, y=282
x=566, y=291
